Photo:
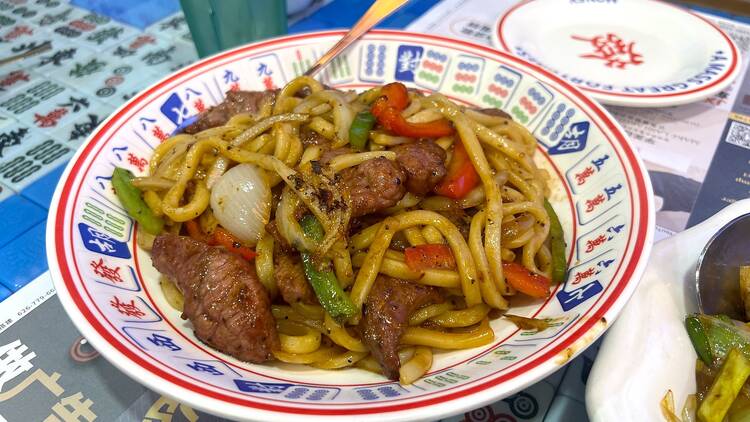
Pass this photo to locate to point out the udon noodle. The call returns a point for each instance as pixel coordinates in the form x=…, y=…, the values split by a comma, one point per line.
x=504, y=217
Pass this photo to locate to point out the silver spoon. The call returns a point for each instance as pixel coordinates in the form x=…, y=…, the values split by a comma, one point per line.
x=376, y=13
x=717, y=273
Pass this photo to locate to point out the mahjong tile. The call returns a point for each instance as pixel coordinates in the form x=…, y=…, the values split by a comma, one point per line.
x=62, y=53
x=17, y=136
x=174, y=26
x=7, y=21
x=50, y=19
x=20, y=37
x=33, y=162
x=30, y=10
x=94, y=31
x=15, y=79
x=163, y=59
x=115, y=83
x=107, y=36
x=75, y=131
x=19, y=103
x=80, y=72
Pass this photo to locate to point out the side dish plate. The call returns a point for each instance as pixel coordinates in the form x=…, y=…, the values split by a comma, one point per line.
x=648, y=352
x=638, y=53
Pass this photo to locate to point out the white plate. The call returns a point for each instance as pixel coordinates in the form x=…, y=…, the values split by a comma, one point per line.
x=601, y=192
x=647, y=351
x=640, y=53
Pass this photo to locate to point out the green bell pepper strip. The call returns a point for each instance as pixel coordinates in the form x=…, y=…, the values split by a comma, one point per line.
x=130, y=198
x=725, y=388
x=312, y=228
x=360, y=129
x=325, y=284
x=557, y=245
x=723, y=336
x=699, y=339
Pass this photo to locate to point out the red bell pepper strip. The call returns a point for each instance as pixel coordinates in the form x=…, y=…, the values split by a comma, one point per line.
x=526, y=282
x=461, y=177
x=231, y=243
x=392, y=95
x=194, y=231
x=388, y=107
x=422, y=257
x=219, y=237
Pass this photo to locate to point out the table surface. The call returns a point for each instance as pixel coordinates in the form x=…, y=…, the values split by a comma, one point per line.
x=153, y=38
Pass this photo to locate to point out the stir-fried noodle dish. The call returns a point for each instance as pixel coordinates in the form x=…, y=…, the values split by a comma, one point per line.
x=314, y=226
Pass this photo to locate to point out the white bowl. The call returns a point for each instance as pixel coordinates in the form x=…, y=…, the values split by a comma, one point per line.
x=647, y=351
x=607, y=211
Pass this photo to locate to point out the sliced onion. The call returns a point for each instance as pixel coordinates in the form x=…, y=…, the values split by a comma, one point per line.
x=287, y=223
x=241, y=202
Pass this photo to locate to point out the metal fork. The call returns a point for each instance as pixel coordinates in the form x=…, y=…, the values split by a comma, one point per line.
x=377, y=12
x=45, y=46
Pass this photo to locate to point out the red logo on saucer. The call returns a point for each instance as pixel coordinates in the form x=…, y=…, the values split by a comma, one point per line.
x=615, y=52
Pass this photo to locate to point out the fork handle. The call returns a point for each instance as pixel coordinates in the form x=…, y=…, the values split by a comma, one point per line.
x=41, y=48
x=377, y=12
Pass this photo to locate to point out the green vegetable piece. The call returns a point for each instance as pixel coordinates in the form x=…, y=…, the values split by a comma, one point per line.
x=130, y=198
x=312, y=228
x=557, y=246
x=330, y=294
x=698, y=338
x=360, y=129
x=740, y=410
x=745, y=289
x=325, y=284
x=723, y=336
x=725, y=388
x=724, y=318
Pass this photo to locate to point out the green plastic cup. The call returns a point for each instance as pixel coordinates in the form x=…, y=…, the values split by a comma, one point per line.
x=217, y=25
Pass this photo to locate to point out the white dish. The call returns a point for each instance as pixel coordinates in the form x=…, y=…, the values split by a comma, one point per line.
x=641, y=53
x=647, y=351
x=601, y=191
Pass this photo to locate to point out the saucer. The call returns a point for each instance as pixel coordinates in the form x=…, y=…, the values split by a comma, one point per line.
x=638, y=53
